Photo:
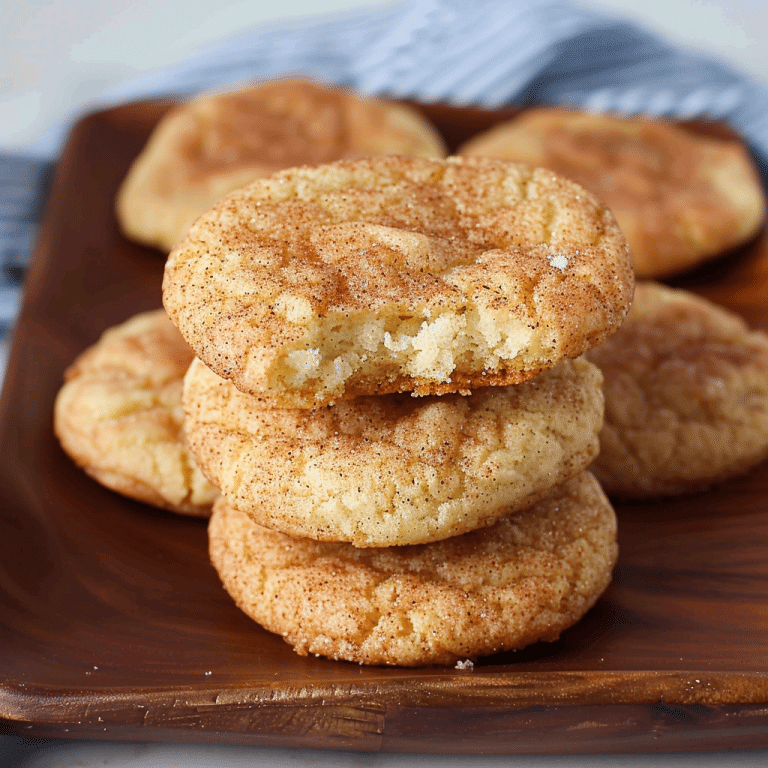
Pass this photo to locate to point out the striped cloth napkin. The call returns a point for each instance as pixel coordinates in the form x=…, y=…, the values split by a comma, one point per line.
x=487, y=52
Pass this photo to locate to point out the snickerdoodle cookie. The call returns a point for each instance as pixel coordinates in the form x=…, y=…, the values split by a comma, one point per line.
x=210, y=145
x=686, y=396
x=119, y=415
x=393, y=469
x=680, y=198
x=397, y=274
x=525, y=579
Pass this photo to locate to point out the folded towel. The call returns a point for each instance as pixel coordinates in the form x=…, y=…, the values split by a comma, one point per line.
x=488, y=52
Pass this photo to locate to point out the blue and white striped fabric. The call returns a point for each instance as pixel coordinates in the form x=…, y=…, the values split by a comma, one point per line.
x=488, y=52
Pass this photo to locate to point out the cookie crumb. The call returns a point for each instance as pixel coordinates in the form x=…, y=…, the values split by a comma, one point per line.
x=558, y=261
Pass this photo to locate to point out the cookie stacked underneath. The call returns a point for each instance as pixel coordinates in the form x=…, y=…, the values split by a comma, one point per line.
x=391, y=396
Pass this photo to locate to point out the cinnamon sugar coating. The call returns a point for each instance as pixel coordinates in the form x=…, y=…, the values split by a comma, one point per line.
x=393, y=469
x=217, y=142
x=686, y=396
x=680, y=198
x=119, y=416
x=397, y=274
x=526, y=579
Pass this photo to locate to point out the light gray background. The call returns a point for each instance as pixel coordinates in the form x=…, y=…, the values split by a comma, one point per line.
x=57, y=56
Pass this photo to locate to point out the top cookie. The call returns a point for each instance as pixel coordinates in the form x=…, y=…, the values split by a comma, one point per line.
x=215, y=143
x=397, y=274
x=679, y=198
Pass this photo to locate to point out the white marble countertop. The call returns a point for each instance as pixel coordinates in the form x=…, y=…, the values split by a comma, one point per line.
x=56, y=56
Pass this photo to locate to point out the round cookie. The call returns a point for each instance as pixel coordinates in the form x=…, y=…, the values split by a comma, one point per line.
x=397, y=274
x=210, y=145
x=686, y=396
x=119, y=415
x=393, y=469
x=679, y=198
x=526, y=579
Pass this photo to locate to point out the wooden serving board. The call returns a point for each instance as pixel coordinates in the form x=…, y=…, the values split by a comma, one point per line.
x=113, y=624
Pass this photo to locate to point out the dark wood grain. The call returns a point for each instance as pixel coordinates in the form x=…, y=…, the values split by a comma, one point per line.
x=113, y=624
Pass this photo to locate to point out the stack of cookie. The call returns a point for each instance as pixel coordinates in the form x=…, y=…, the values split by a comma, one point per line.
x=394, y=370
x=390, y=394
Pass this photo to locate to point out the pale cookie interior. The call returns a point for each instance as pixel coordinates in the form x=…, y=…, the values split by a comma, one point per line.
x=397, y=274
x=391, y=469
x=679, y=197
x=686, y=386
x=119, y=415
x=526, y=579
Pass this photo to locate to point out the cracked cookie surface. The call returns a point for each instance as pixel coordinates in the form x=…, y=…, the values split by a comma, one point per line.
x=686, y=396
x=397, y=274
x=523, y=580
x=680, y=198
x=393, y=469
x=204, y=148
x=119, y=415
